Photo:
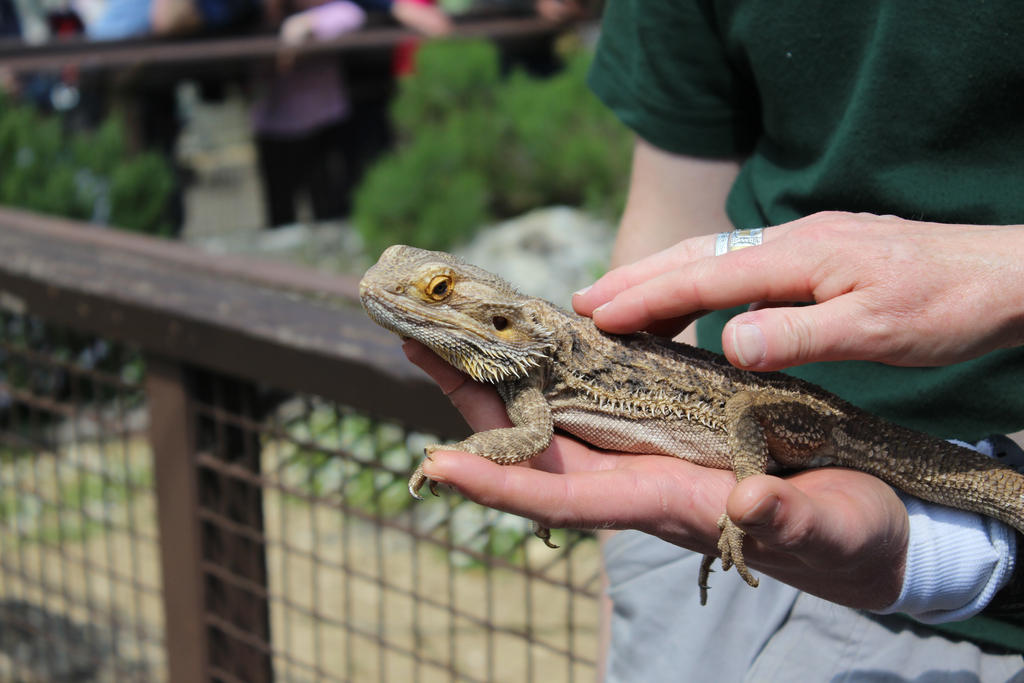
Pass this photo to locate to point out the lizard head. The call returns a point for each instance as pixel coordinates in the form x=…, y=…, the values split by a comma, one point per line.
x=472, y=318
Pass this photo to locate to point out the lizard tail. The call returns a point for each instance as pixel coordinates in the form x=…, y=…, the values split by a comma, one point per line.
x=940, y=472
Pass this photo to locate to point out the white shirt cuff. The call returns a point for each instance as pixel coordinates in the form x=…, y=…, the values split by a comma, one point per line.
x=956, y=561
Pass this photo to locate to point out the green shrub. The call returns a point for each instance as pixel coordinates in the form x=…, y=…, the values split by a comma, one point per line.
x=139, y=188
x=473, y=148
x=85, y=175
x=567, y=147
x=431, y=194
x=451, y=76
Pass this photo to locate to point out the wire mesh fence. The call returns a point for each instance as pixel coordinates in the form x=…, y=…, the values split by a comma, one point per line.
x=363, y=583
x=80, y=585
x=313, y=561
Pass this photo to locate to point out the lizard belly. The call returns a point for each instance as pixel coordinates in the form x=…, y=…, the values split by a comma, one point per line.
x=682, y=438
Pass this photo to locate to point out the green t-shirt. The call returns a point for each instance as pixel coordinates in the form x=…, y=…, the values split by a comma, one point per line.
x=904, y=107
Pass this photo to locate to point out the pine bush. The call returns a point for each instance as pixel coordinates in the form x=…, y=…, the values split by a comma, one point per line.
x=474, y=147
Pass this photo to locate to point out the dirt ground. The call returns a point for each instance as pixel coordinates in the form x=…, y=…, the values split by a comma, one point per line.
x=225, y=196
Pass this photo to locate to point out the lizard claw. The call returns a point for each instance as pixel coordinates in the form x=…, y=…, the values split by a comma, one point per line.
x=702, y=578
x=417, y=479
x=416, y=482
x=544, y=534
x=730, y=545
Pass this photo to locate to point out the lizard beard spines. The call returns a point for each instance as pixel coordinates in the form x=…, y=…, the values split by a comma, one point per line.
x=471, y=347
x=488, y=357
x=492, y=363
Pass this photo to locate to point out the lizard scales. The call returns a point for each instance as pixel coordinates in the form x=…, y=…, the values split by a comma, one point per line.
x=642, y=394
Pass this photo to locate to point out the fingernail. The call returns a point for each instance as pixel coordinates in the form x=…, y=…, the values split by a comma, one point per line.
x=430, y=469
x=762, y=513
x=583, y=291
x=748, y=341
x=599, y=308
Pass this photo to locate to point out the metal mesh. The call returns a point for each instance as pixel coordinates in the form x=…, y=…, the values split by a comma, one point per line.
x=80, y=590
x=365, y=584
x=315, y=563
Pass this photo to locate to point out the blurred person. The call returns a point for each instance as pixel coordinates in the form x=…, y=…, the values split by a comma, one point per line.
x=10, y=27
x=300, y=118
x=178, y=17
x=539, y=56
x=154, y=105
x=305, y=135
x=369, y=124
x=423, y=16
x=35, y=23
x=560, y=10
x=120, y=19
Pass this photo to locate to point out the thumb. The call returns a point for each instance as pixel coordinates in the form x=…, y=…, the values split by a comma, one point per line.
x=775, y=513
x=846, y=542
x=776, y=338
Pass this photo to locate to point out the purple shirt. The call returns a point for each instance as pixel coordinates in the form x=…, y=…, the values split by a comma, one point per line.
x=311, y=94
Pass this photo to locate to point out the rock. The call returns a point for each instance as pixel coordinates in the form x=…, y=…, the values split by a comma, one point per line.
x=549, y=252
x=330, y=246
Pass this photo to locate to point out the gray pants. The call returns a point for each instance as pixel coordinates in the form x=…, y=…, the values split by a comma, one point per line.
x=660, y=632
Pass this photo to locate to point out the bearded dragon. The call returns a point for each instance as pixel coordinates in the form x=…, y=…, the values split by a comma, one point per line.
x=639, y=393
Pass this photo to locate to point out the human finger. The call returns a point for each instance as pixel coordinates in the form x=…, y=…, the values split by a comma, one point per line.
x=680, y=255
x=623, y=496
x=773, y=338
x=608, y=286
x=553, y=499
x=768, y=272
x=478, y=403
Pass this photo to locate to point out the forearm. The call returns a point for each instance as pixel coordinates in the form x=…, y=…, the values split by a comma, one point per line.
x=323, y=22
x=425, y=19
x=671, y=198
x=171, y=17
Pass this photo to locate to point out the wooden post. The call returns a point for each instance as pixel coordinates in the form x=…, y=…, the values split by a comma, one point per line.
x=172, y=437
x=210, y=514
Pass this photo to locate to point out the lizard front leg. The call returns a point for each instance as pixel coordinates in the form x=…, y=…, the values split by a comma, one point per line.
x=531, y=434
x=760, y=425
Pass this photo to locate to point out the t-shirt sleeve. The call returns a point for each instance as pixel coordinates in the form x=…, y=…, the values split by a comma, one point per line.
x=335, y=18
x=662, y=67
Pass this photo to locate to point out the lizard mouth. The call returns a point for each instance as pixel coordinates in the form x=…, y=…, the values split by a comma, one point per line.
x=395, y=317
x=481, y=356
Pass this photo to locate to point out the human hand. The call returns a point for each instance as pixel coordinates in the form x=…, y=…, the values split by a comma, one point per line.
x=320, y=22
x=425, y=19
x=883, y=288
x=839, y=534
x=9, y=84
x=295, y=31
x=558, y=10
x=174, y=17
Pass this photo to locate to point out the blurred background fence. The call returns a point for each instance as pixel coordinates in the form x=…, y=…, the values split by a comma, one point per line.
x=203, y=466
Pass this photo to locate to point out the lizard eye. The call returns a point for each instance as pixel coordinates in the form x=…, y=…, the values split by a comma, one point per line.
x=439, y=287
x=499, y=322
